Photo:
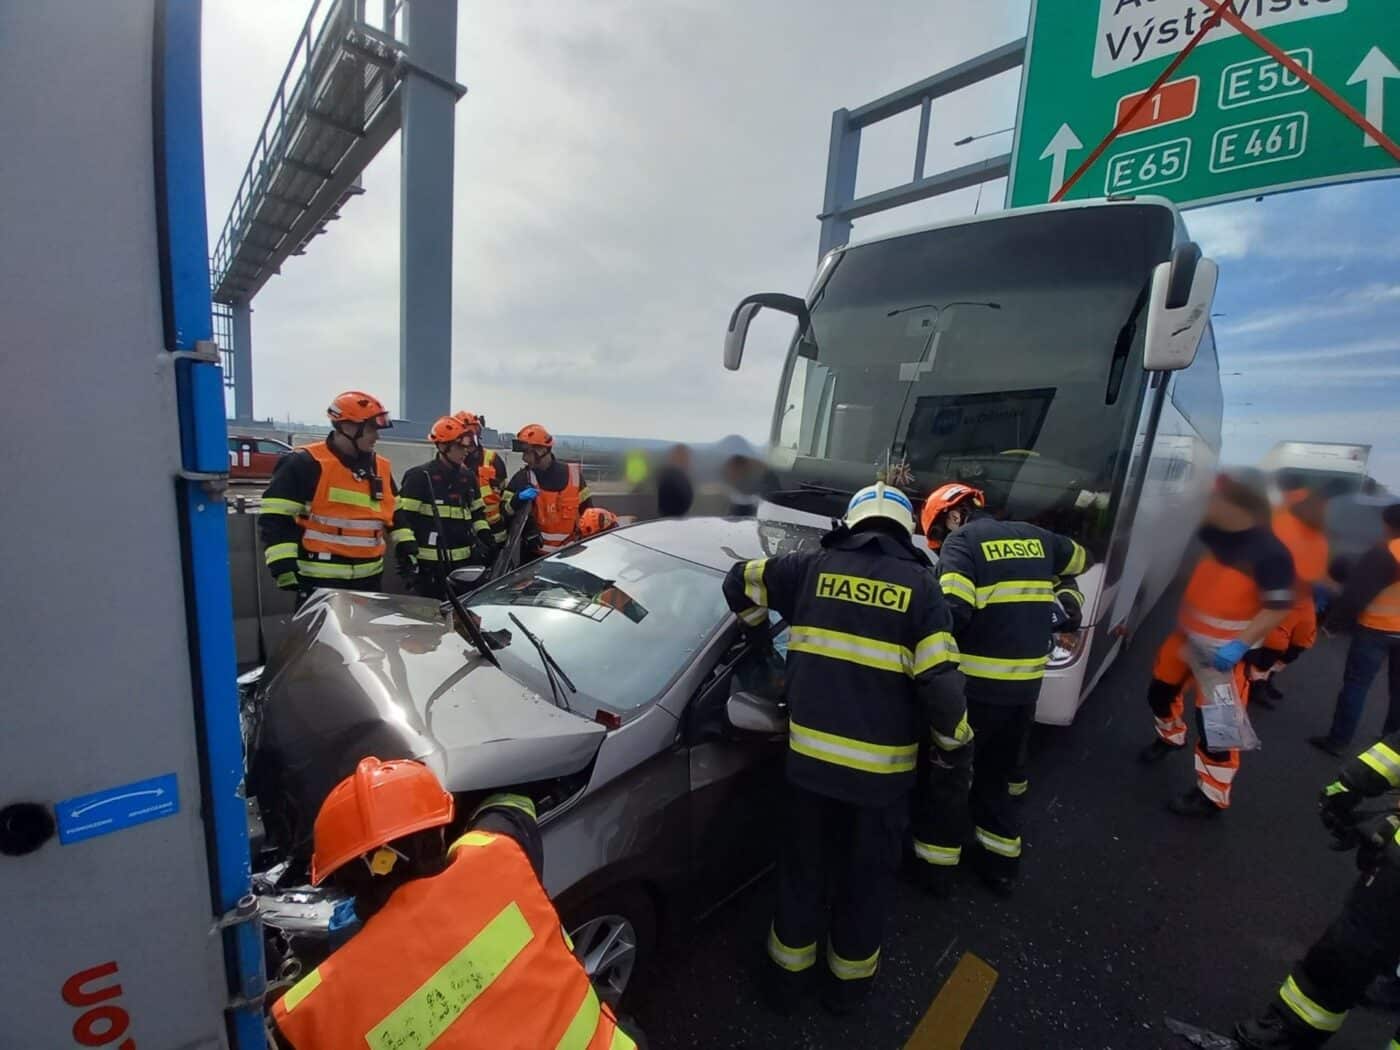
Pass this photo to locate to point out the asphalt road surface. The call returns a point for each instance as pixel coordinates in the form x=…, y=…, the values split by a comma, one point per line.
x=1126, y=915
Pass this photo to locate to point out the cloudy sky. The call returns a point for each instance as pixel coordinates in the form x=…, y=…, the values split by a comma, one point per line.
x=626, y=170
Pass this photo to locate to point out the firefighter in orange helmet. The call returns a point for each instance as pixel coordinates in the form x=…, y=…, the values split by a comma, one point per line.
x=491, y=473
x=1240, y=590
x=460, y=946
x=556, y=490
x=595, y=520
x=441, y=503
x=328, y=513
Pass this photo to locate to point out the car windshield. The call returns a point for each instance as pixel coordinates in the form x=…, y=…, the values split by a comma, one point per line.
x=621, y=619
x=1006, y=353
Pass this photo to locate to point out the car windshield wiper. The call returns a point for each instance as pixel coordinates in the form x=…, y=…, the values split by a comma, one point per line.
x=551, y=666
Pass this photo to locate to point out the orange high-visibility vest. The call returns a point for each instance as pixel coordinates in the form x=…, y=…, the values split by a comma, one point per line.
x=486, y=482
x=556, y=513
x=471, y=958
x=1219, y=603
x=344, y=519
x=1307, y=545
x=1383, y=614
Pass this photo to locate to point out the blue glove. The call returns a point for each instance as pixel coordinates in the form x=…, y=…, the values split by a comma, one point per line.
x=528, y=494
x=1228, y=655
x=1322, y=598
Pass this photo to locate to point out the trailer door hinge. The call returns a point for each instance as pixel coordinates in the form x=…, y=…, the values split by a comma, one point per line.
x=214, y=484
x=205, y=350
x=246, y=910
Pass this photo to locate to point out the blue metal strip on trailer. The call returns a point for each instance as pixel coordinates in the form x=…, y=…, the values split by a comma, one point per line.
x=185, y=285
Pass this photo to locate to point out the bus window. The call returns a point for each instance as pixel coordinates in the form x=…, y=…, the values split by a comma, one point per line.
x=1196, y=392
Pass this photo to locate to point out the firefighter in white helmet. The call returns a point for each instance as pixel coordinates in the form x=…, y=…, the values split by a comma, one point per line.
x=872, y=673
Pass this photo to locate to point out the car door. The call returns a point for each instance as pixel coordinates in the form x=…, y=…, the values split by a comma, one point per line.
x=266, y=455
x=240, y=457
x=736, y=787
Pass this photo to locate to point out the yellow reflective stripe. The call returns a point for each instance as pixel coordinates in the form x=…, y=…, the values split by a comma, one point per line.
x=298, y=992
x=329, y=570
x=792, y=959
x=853, y=648
x=521, y=802
x=754, y=588
x=934, y=649
x=1070, y=592
x=289, y=507
x=437, y=1003
x=754, y=616
x=851, y=753
x=1002, y=670
x=851, y=969
x=585, y=493
x=282, y=551
x=943, y=856
x=480, y=525
x=1077, y=561
x=402, y=536
x=956, y=585
x=352, y=498
x=453, y=553
x=1384, y=761
x=998, y=844
x=962, y=734
x=1312, y=1014
x=472, y=838
x=1009, y=591
x=342, y=540
x=413, y=506
x=580, y=1031
x=621, y=1041
x=1017, y=788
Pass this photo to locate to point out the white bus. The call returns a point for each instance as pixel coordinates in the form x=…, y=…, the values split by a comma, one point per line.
x=1335, y=468
x=1060, y=358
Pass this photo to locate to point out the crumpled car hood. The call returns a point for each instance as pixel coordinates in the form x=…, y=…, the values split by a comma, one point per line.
x=375, y=674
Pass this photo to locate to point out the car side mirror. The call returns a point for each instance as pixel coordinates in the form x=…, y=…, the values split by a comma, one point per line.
x=747, y=310
x=753, y=714
x=467, y=577
x=1178, y=311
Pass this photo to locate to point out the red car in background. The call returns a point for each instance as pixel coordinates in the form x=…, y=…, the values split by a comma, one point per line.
x=254, y=458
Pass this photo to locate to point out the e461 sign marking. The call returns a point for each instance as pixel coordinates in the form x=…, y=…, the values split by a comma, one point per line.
x=1232, y=121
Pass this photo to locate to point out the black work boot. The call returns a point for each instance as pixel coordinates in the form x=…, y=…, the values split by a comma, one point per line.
x=844, y=998
x=936, y=879
x=1002, y=885
x=1383, y=993
x=1194, y=804
x=1158, y=750
x=1325, y=743
x=1264, y=694
x=781, y=990
x=1274, y=1031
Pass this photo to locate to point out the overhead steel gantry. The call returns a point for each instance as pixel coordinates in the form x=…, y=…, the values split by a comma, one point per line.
x=348, y=87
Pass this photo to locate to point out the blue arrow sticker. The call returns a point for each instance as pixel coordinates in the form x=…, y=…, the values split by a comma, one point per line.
x=103, y=812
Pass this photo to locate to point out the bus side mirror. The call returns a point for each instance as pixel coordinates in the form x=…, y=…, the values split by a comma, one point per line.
x=1179, y=309
x=744, y=314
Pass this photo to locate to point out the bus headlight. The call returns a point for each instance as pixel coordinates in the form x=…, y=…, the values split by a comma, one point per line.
x=1065, y=648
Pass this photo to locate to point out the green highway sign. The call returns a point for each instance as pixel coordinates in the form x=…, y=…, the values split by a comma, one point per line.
x=1232, y=121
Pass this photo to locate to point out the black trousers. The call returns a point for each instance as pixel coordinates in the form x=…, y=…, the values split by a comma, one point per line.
x=836, y=871
x=1362, y=942
x=952, y=807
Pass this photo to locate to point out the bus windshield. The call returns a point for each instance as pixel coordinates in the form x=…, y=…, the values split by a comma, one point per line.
x=1006, y=353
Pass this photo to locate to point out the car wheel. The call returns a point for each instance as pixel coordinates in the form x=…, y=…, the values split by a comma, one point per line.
x=613, y=936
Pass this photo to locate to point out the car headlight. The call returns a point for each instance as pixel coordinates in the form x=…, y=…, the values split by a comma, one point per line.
x=1066, y=647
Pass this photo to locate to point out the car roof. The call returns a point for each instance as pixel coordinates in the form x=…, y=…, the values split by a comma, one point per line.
x=719, y=542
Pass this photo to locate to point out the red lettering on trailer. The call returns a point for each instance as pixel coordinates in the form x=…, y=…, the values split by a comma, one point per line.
x=100, y=1025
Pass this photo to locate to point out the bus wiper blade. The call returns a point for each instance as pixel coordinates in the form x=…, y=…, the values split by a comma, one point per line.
x=551, y=666
x=812, y=486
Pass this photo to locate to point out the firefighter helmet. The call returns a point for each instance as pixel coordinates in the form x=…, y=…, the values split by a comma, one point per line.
x=596, y=520
x=944, y=498
x=446, y=430
x=355, y=406
x=534, y=434
x=880, y=501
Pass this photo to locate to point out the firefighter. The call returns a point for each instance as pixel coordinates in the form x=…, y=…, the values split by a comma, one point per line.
x=1299, y=524
x=872, y=672
x=556, y=489
x=1361, y=942
x=1369, y=607
x=491, y=473
x=327, y=512
x=595, y=520
x=460, y=947
x=1240, y=591
x=441, y=504
x=1001, y=580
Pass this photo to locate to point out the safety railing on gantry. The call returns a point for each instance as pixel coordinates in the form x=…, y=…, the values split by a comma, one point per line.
x=337, y=104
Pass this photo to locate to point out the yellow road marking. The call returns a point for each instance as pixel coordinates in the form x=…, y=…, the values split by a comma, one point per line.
x=954, y=1010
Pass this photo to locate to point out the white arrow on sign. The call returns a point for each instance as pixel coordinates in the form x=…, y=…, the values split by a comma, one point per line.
x=1061, y=146
x=1375, y=69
